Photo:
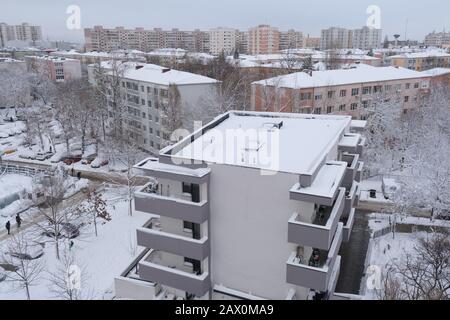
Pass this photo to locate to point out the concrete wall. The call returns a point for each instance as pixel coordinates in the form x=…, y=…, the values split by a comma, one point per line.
x=248, y=230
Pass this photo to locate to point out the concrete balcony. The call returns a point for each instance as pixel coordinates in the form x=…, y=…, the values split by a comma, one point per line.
x=325, y=187
x=320, y=233
x=351, y=199
x=180, y=245
x=153, y=269
x=361, y=145
x=318, y=275
x=171, y=207
x=348, y=225
x=359, y=170
x=349, y=143
x=352, y=167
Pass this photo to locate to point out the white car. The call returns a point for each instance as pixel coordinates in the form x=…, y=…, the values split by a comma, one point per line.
x=3, y=134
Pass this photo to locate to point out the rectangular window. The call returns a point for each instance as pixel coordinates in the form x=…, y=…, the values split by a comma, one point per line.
x=355, y=92
x=342, y=107
x=317, y=110
x=406, y=98
x=330, y=94
x=353, y=106
x=343, y=93
x=330, y=109
x=367, y=90
x=318, y=97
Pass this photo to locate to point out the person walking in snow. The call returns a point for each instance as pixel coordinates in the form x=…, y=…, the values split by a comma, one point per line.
x=18, y=220
x=8, y=227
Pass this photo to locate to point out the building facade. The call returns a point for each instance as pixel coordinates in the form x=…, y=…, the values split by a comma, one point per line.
x=23, y=32
x=263, y=39
x=235, y=226
x=147, y=90
x=291, y=39
x=102, y=39
x=421, y=61
x=367, y=38
x=437, y=39
x=55, y=68
x=223, y=40
x=336, y=38
x=343, y=92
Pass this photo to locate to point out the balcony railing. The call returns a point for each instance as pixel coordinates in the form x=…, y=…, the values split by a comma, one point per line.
x=320, y=233
x=350, y=199
x=148, y=201
x=359, y=170
x=350, y=174
x=348, y=225
x=318, y=275
x=151, y=237
x=153, y=269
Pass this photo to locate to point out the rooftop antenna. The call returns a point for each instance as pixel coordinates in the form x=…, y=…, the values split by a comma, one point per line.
x=406, y=30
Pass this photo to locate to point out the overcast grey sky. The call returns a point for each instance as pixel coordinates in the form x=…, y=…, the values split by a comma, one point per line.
x=308, y=16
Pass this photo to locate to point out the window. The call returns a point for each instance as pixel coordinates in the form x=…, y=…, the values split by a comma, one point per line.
x=330, y=109
x=143, y=115
x=377, y=89
x=353, y=106
x=387, y=88
x=156, y=119
x=406, y=98
x=330, y=94
x=150, y=130
x=317, y=110
x=305, y=96
x=149, y=103
x=187, y=226
x=318, y=97
x=367, y=90
x=365, y=104
x=355, y=92
x=142, y=89
x=158, y=133
x=152, y=143
x=416, y=85
x=342, y=107
x=407, y=86
x=343, y=93
x=143, y=102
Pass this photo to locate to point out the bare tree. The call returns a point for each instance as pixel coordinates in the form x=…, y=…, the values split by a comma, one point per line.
x=55, y=218
x=95, y=208
x=171, y=112
x=69, y=280
x=26, y=272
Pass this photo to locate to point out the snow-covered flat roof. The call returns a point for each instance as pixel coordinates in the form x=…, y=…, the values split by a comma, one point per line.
x=154, y=165
x=350, y=140
x=252, y=139
x=423, y=54
x=362, y=74
x=326, y=182
x=436, y=72
x=51, y=58
x=159, y=75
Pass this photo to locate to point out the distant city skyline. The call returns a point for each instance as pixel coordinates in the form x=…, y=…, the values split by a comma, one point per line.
x=308, y=17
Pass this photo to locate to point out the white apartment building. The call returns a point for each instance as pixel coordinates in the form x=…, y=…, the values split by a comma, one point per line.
x=23, y=32
x=367, y=38
x=146, y=92
x=223, y=40
x=336, y=38
x=58, y=69
x=247, y=207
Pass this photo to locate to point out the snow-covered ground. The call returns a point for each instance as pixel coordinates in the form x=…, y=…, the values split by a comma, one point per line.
x=102, y=258
x=11, y=185
x=384, y=251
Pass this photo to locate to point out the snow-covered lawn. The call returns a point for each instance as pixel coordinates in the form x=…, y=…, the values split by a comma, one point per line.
x=11, y=185
x=102, y=258
x=387, y=250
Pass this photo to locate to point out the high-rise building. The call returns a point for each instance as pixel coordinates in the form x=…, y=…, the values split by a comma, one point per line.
x=367, y=38
x=23, y=32
x=223, y=40
x=263, y=39
x=291, y=39
x=336, y=38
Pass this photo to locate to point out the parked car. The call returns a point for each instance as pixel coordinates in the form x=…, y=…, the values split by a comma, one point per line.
x=41, y=156
x=4, y=134
x=32, y=252
x=97, y=163
x=69, y=231
x=71, y=160
x=57, y=157
x=89, y=159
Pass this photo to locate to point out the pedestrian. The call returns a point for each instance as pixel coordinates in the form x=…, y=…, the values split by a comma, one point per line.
x=18, y=220
x=79, y=175
x=71, y=243
x=8, y=227
x=51, y=149
x=73, y=172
